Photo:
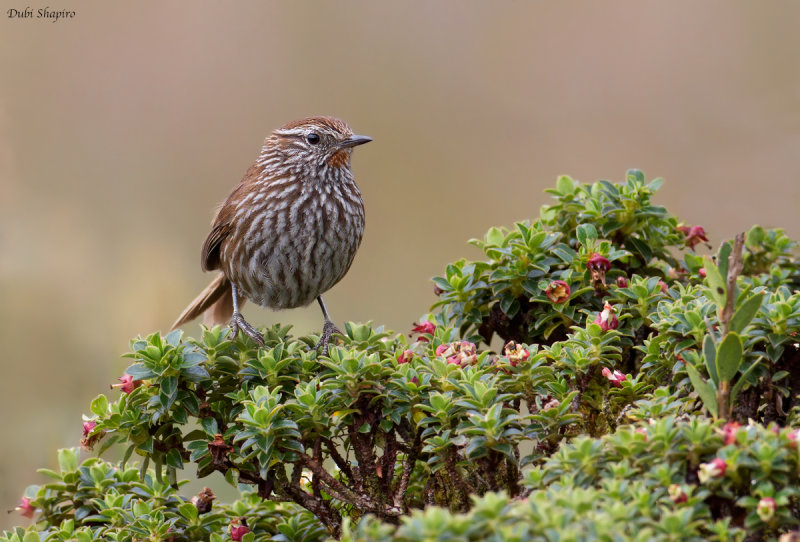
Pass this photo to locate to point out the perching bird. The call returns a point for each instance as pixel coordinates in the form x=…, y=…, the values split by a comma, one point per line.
x=289, y=230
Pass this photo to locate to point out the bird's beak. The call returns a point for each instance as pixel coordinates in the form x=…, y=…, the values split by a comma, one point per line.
x=354, y=141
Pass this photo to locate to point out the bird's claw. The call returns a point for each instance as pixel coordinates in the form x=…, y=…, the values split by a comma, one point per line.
x=238, y=323
x=328, y=329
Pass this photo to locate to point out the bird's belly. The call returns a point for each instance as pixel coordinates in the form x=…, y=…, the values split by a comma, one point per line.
x=293, y=270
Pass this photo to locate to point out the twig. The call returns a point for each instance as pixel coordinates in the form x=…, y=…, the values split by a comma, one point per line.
x=734, y=269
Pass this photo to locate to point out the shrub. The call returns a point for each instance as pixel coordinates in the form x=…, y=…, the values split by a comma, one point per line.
x=638, y=393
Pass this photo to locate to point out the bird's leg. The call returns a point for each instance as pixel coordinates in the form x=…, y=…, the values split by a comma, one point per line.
x=239, y=323
x=328, y=329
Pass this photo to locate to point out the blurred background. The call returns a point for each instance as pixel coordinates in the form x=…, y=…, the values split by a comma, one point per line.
x=121, y=130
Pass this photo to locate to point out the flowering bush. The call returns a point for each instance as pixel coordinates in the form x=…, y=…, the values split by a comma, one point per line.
x=631, y=397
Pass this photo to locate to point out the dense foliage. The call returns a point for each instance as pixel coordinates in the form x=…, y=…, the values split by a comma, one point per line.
x=638, y=391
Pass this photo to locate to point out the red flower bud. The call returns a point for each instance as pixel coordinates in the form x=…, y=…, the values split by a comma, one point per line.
x=663, y=285
x=239, y=528
x=88, y=441
x=694, y=235
x=237, y=532
x=607, y=319
x=766, y=509
x=622, y=282
x=599, y=262
x=713, y=469
x=729, y=431
x=25, y=507
x=616, y=378
x=515, y=353
x=702, y=272
x=405, y=356
x=88, y=427
x=424, y=328
x=597, y=266
x=793, y=435
x=127, y=383
x=677, y=494
x=558, y=291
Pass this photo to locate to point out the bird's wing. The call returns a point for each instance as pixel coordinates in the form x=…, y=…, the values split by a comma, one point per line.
x=209, y=259
x=222, y=226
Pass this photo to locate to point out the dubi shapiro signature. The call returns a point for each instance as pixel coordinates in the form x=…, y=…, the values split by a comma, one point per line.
x=41, y=13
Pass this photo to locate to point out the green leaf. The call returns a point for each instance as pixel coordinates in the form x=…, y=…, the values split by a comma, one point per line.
x=586, y=233
x=745, y=313
x=704, y=390
x=99, y=405
x=565, y=184
x=495, y=236
x=729, y=357
x=723, y=258
x=710, y=357
x=31, y=537
x=188, y=510
x=640, y=247
x=209, y=426
x=755, y=237
x=715, y=282
x=174, y=459
x=174, y=337
x=68, y=460
x=742, y=380
x=139, y=372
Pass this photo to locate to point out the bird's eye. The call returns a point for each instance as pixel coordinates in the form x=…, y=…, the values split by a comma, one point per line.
x=312, y=138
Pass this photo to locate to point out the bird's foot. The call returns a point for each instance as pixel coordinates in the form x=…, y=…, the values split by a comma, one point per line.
x=328, y=329
x=239, y=323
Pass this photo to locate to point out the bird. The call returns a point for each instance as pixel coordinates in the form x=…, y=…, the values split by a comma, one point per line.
x=288, y=232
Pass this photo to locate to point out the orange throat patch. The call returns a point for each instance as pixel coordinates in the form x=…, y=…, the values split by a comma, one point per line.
x=339, y=159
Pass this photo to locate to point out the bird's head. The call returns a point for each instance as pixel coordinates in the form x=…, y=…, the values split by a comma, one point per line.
x=315, y=141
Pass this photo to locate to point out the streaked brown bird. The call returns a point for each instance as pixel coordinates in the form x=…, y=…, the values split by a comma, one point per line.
x=290, y=229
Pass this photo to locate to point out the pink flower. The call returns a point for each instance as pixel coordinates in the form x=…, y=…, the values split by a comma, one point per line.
x=127, y=383
x=515, y=353
x=622, y=282
x=729, y=431
x=663, y=286
x=677, y=494
x=694, y=235
x=702, y=272
x=713, y=469
x=616, y=378
x=793, y=435
x=551, y=402
x=766, y=509
x=88, y=441
x=88, y=427
x=558, y=291
x=458, y=353
x=597, y=266
x=405, y=356
x=598, y=262
x=238, y=532
x=607, y=319
x=239, y=528
x=25, y=507
x=424, y=328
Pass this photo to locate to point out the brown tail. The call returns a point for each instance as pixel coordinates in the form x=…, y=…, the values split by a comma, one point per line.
x=216, y=301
